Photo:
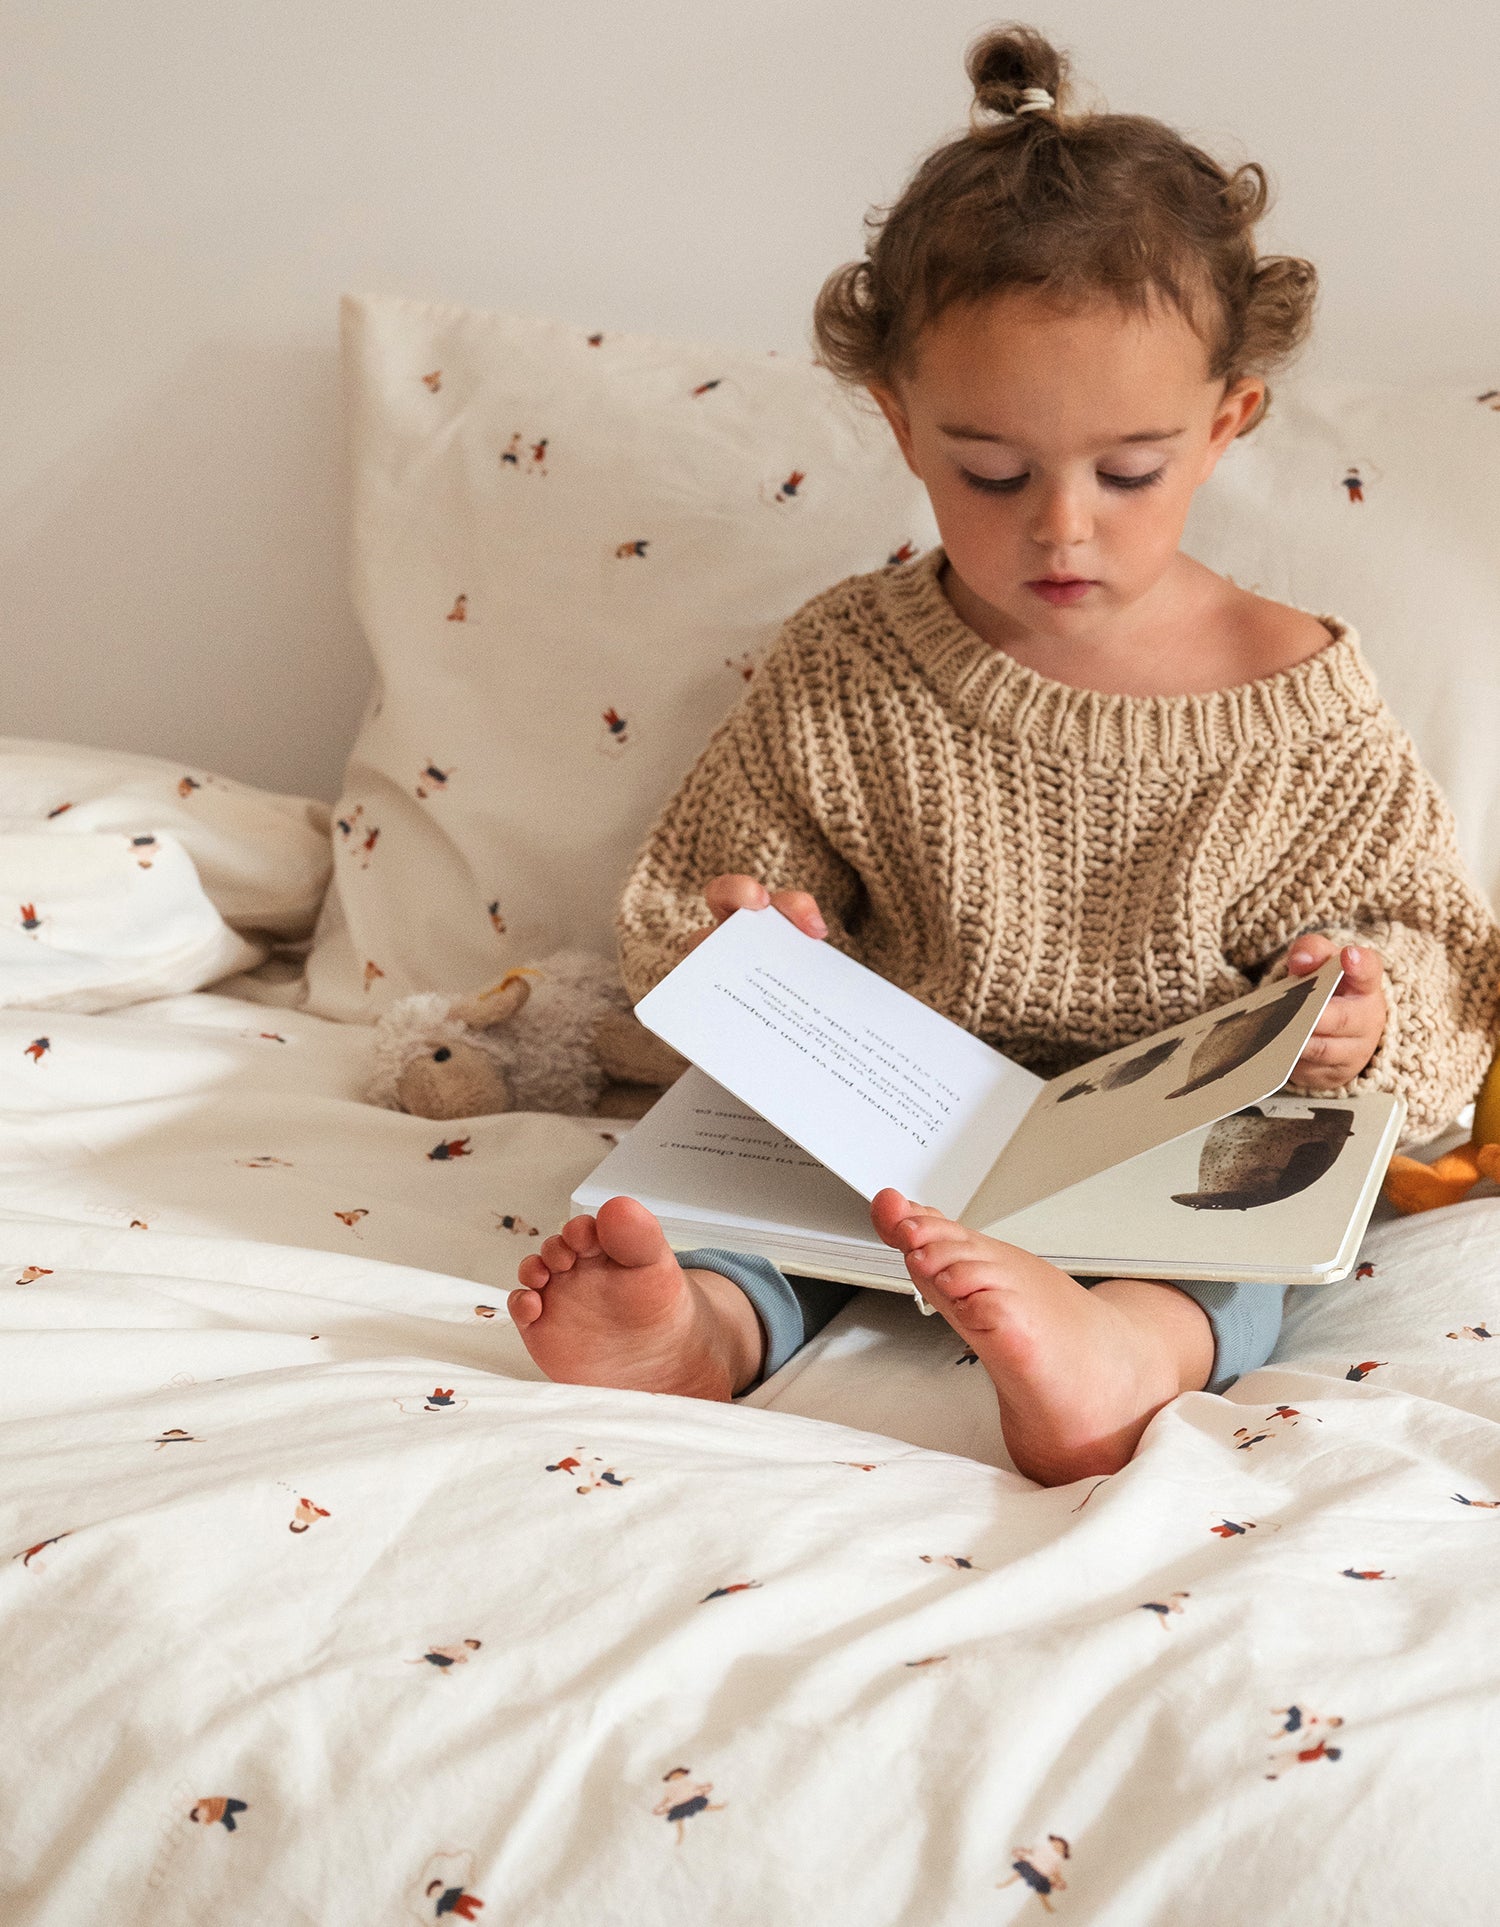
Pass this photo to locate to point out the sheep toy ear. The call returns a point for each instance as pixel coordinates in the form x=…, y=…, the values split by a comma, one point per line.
x=488, y=1009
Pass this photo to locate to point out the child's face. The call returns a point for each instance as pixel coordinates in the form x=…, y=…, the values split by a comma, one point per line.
x=1061, y=451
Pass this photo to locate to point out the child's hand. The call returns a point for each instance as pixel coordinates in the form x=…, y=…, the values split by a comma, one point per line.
x=1351, y=1027
x=726, y=894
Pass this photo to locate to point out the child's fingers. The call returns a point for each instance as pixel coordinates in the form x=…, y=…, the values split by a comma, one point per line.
x=1307, y=955
x=1363, y=967
x=730, y=892
x=1327, y=1053
x=800, y=908
x=1359, y=1016
x=1363, y=970
x=1319, y=1077
x=1327, y=1063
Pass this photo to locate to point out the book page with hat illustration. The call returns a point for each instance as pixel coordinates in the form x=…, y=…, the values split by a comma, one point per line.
x=1151, y=1093
x=1281, y=1191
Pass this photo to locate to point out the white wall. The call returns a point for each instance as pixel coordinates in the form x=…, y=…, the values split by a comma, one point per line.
x=185, y=188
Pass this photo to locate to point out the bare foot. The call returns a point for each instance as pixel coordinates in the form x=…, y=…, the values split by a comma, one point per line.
x=606, y=1303
x=1079, y=1373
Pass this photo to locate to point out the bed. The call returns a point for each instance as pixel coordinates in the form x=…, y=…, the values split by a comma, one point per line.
x=319, y=1605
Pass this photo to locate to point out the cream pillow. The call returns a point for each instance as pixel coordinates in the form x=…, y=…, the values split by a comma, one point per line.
x=569, y=551
x=1382, y=505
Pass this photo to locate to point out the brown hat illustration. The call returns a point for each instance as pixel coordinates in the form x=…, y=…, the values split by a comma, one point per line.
x=1129, y=1070
x=1235, y=1039
x=1249, y=1160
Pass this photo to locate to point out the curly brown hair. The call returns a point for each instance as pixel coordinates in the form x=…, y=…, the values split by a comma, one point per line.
x=1033, y=197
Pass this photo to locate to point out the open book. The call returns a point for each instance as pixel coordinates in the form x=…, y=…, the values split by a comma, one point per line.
x=815, y=1084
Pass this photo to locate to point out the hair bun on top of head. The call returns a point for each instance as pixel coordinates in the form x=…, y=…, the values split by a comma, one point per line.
x=1016, y=72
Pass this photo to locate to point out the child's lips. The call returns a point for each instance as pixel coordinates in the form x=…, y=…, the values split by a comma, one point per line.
x=1061, y=590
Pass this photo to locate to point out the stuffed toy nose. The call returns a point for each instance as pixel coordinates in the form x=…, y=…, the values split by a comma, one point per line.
x=453, y=1080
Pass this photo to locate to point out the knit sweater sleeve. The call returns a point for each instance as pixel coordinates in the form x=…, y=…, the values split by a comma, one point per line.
x=1378, y=864
x=745, y=807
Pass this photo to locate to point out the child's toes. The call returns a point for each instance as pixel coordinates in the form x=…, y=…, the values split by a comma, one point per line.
x=557, y=1254
x=937, y=1253
x=582, y=1235
x=889, y=1210
x=525, y=1307
x=962, y=1278
x=532, y=1273
x=922, y=1234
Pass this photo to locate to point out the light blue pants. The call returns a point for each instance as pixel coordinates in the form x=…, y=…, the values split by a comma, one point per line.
x=1246, y=1319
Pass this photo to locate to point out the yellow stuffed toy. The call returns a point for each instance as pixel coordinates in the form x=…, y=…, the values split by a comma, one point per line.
x=1411, y=1186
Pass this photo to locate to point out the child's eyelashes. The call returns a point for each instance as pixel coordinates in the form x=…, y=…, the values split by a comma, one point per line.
x=994, y=484
x=1013, y=484
x=1134, y=481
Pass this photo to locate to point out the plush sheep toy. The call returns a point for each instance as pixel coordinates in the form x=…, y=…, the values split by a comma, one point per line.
x=554, y=1036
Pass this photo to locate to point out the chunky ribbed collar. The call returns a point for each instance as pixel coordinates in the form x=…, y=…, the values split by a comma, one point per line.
x=1326, y=695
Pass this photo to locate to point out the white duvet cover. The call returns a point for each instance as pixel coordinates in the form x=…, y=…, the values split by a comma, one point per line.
x=317, y=1606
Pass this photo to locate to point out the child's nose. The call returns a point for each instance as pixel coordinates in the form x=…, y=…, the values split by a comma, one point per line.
x=1063, y=517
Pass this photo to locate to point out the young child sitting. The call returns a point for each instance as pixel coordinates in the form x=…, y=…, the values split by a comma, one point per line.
x=1056, y=778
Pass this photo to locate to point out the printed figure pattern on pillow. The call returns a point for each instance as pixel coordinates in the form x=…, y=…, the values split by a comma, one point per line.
x=1381, y=504
x=570, y=648
x=551, y=659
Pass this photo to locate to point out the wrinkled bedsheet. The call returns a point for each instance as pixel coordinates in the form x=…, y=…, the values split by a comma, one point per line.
x=317, y=1605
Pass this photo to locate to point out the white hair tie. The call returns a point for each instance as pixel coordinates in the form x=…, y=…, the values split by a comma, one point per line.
x=1035, y=100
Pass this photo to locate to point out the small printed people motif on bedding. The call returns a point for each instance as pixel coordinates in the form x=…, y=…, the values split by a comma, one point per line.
x=440, y=1399
x=442, y=1659
x=1175, y=1602
x=31, y=1558
x=590, y=1467
x=1041, y=1868
x=685, y=1800
x=218, y=1810
x=306, y=1514
x=616, y=737
x=1307, y=1740
x=789, y=489
x=444, y=1889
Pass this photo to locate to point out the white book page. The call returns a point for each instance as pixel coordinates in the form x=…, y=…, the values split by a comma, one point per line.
x=699, y=1153
x=876, y=1085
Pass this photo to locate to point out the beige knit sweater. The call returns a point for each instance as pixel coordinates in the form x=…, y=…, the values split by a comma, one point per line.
x=1062, y=871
